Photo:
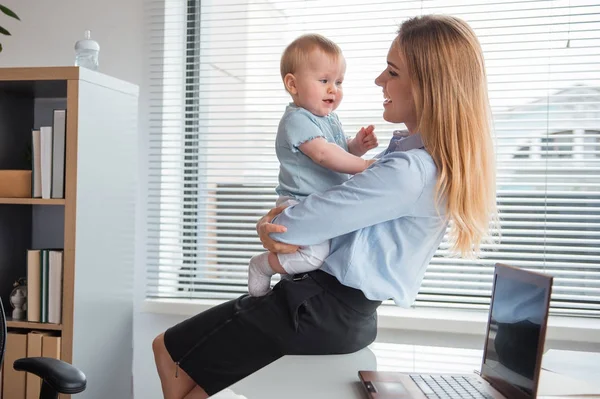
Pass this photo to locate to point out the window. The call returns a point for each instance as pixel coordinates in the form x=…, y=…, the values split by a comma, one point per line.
x=216, y=98
x=557, y=145
x=592, y=144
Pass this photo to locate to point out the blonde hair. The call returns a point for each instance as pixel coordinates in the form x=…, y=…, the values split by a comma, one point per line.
x=297, y=52
x=446, y=66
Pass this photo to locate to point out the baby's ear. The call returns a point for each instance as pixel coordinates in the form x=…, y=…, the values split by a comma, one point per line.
x=289, y=81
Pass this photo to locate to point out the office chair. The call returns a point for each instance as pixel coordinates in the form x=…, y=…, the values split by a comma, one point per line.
x=57, y=376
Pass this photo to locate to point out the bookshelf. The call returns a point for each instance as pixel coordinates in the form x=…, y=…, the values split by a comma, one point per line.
x=27, y=325
x=94, y=223
x=31, y=201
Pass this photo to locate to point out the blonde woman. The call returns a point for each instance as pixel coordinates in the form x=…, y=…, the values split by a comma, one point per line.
x=384, y=224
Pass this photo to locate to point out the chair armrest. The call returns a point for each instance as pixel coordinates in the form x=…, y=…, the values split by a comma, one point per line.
x=61, y=376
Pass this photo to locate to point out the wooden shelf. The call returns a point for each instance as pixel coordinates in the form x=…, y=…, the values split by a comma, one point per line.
x=39, y=74
x=31, y=201
x=33, y=326
x=28, y=97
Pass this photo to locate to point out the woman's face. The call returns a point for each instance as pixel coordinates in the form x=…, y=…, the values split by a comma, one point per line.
x=398, y=104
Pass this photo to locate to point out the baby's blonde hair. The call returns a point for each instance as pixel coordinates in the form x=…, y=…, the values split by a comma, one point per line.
x=446, y=66
x=296, y=54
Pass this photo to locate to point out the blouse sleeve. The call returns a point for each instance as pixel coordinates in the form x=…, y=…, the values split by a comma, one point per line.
x=387, y=190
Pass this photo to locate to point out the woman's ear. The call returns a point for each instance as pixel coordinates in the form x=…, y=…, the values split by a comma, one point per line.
x=290, y=84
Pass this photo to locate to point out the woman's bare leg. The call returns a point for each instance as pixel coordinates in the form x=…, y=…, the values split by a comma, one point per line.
x=173, y=387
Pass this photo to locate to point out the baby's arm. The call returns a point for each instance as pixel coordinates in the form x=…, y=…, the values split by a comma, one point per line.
x=334, y=157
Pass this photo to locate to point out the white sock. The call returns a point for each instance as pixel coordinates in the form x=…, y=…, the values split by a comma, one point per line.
x=259, y=275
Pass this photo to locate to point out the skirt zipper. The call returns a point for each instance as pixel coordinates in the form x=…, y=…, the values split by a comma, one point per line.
x=177, y=364
x=201, y=342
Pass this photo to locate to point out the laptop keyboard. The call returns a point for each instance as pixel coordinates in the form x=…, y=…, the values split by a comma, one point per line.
x=450, y=387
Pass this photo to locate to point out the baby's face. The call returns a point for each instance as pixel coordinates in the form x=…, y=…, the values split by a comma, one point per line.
x=319, y=83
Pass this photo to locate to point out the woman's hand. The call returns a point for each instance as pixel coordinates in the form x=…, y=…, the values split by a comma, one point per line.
x=264, y=227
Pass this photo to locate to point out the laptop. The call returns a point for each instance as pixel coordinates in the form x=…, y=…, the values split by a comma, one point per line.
x=512, y=353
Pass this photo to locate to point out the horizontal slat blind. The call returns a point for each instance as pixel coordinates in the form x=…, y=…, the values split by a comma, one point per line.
x=216, y=98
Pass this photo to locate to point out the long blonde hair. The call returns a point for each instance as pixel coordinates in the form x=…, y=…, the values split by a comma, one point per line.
x=446, y=66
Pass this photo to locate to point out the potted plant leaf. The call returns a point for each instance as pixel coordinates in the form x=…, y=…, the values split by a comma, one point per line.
x=7, y=11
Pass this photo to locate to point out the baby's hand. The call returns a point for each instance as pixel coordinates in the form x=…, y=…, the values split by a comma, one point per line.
x=366, y=139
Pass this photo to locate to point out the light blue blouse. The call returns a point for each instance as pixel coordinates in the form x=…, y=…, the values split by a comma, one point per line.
x=383, y=223
x=299, y=176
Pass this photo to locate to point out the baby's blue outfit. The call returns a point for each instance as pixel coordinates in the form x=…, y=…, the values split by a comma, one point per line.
x=300, y=176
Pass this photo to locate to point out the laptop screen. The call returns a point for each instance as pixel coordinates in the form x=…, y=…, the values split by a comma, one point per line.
x=516, y=331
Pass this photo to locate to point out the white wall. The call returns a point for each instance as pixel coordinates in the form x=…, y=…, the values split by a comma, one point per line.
x=48, y=30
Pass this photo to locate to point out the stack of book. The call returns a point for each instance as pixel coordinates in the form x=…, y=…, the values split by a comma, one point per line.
x=48, y=158
x=18, y=384
x=44, y=285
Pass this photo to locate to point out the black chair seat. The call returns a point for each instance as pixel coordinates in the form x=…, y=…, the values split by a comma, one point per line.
x=61, y=376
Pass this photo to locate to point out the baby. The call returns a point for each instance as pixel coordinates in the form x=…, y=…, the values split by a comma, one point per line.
x=313, y=152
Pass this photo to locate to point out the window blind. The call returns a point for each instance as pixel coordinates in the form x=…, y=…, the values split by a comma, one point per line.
x=216, y=98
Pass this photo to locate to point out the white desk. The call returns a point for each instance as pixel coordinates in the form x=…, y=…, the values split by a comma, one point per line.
x=333, y=377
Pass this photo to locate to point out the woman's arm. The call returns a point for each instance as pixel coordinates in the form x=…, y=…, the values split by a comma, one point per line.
x=387, y=190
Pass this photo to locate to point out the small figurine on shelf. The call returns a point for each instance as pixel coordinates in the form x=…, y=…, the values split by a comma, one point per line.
x=18, y=299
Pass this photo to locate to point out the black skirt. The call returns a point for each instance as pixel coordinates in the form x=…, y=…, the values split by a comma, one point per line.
x=309, y=314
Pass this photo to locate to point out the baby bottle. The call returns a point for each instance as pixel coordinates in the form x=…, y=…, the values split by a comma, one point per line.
x=86, y=52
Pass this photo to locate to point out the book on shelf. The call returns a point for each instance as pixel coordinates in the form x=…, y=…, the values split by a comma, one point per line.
x=55, y=278
x=59, y=127
x=36, y=167
x=44, y=270
x=48, y=158
x=34, y=277
x=14, y=384
x=18, y=384
x=34, y=349
x=51, y=346
x=44, y=285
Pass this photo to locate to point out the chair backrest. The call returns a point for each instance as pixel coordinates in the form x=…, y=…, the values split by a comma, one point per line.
x=2, y=331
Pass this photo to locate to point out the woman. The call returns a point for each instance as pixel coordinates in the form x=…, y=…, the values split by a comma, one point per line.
x=384, y=224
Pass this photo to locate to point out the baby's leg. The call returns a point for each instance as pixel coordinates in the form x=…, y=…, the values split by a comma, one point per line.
x=275, y=265
x=260, y=270
x=263, y=266
x=304, y=260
